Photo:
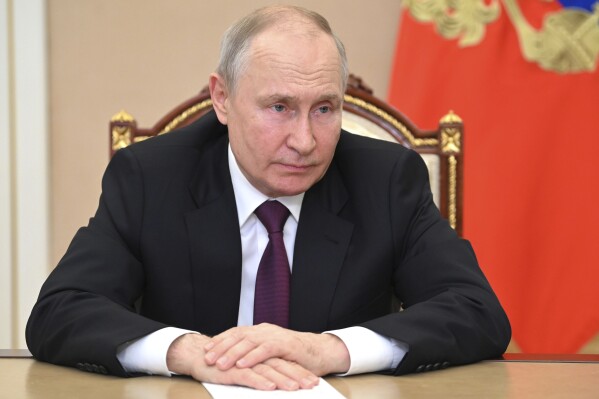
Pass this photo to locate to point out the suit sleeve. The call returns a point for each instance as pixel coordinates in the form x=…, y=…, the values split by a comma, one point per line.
x=86, y=306
x=450, y=314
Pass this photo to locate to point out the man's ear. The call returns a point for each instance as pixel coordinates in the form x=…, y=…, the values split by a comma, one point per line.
x=220, y=96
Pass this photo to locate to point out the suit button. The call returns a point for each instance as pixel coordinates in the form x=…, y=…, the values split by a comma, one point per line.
x=420, y=368
x=95, y=368
x=437, y=366
x=102, y=370
x=444, y=365
x=428, y=367
x=88, y=367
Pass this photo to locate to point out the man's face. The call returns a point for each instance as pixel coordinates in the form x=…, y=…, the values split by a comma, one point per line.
x=284, y=117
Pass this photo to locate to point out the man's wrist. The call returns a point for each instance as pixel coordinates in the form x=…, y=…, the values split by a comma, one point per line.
x=333, y=353
x=369, y=351
x=184, y=351
x=148, y=354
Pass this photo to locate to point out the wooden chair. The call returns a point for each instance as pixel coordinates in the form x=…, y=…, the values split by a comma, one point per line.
x=364, y=114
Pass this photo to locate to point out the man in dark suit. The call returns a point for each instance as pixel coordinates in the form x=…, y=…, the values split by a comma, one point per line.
x=164, y=278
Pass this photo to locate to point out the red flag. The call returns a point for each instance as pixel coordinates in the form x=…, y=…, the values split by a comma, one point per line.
x=530, y=105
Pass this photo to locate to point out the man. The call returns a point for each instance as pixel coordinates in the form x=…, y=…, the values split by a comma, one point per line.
x=179, y=235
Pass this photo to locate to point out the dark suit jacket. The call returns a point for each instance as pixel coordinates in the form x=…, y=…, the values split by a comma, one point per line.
x=166, y=234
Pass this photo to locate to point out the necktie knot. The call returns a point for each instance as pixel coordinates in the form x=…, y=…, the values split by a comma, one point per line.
x=273, y=215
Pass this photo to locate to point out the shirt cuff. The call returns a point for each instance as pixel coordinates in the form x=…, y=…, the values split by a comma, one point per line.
x=369, y=351
x=148, y=354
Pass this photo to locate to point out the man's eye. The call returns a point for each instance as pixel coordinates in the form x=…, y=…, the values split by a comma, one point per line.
x=324, y=109
x=278, y=108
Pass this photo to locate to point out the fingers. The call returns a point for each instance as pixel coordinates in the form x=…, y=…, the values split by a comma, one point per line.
x=237, y=354
x=287, y=376
x=294, y=372
x=256, y=355
x=242, y=354
x=225, y=352
x=273, y=374
x=281, y=380
x=247, y=346
x=217, y=339
x=244, y=377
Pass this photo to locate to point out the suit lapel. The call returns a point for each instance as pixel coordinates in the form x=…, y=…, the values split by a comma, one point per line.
x=321, y=244
x=215, y=243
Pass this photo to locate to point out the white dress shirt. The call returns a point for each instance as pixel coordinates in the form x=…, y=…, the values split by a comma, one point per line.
x=368, y=350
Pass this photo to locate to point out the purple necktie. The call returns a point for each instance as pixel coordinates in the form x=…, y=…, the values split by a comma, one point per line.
x=271, y=297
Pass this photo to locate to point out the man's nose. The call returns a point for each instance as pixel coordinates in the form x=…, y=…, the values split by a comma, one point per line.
x=301, y=136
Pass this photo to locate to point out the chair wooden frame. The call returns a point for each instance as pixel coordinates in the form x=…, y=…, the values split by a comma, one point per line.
x=446, y=142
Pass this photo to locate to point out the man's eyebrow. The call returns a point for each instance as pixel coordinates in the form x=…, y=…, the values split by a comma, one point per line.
x=332, y=97
x=285, y=98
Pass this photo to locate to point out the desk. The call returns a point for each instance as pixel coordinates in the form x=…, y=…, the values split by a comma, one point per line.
x=28, y=378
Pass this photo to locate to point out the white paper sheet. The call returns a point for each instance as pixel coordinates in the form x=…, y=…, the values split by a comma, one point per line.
x=323, y=390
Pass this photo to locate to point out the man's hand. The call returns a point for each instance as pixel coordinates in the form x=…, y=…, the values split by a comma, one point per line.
x=186, y=356
x=246, y=347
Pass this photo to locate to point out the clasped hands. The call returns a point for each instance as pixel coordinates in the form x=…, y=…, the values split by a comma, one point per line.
x=263, y=356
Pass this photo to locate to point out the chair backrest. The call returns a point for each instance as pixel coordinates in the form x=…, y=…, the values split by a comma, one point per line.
x=363, y=114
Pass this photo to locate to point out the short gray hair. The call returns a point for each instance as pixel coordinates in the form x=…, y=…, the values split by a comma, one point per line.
x=238, y=38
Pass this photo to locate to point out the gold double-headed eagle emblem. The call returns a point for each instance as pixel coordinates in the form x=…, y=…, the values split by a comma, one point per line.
x=568, y=41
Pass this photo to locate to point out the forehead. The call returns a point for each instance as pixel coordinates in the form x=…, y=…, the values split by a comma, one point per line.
x=307, y=56
x=294, y=40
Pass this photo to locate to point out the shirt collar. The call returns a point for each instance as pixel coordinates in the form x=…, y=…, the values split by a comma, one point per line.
x=248, y=198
